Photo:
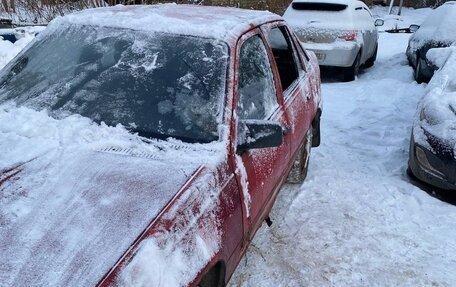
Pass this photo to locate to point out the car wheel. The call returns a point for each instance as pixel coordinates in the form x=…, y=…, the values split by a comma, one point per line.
x=418, y=75
x=351, y=72
x=301, y=163
x=370, y=62
x=316, y=134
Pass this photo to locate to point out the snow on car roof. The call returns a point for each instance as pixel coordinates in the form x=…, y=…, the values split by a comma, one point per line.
x=211, y=22
x=439, y=25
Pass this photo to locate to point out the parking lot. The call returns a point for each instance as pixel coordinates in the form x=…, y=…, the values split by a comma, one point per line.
x=358, y=220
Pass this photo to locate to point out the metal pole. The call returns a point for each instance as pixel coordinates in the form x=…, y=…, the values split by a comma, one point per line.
x=400, y=7
x=391, y=7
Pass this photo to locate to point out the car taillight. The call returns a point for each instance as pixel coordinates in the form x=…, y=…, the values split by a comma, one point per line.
x=350, y=36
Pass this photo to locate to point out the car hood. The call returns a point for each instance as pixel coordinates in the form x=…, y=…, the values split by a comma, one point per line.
x=68, y=215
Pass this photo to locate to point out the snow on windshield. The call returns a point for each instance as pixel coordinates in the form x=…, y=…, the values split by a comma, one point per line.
x=158, y=85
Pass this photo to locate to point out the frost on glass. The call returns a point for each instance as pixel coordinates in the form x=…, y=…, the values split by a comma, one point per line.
x=257, y=95
x=159, y=85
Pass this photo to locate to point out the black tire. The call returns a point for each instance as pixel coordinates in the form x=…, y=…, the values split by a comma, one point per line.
x=351, y=72
x=301, y=163
x=371, y=61
x=417, y=74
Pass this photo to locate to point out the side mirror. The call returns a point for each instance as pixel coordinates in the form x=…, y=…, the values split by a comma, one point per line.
x=379, y=22
x=437, y=57
x=413, y=28
x=255, y=134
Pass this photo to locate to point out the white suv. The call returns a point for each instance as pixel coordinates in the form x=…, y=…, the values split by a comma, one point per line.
x=342, y=33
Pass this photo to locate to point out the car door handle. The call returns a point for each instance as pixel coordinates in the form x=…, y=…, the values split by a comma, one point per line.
x=286, y=130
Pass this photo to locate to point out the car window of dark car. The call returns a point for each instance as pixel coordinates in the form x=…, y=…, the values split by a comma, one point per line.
x=257, y=94
x=284, y=56
x=156, y=84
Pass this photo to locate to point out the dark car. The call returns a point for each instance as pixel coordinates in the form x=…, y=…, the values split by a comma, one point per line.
x=7, y=31
x=433, y=142
x=437, y=30
x=145, y=145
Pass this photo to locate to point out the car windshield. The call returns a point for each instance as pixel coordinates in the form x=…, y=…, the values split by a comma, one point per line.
x=156, y=84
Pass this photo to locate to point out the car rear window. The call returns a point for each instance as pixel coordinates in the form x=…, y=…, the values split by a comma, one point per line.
x=319, y=6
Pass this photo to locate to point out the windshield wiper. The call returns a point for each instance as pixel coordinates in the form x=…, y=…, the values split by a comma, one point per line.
x=154, y=135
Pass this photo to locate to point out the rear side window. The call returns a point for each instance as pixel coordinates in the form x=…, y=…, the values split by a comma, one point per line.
x=319, y=6
x=283, y=55
x=257, y=94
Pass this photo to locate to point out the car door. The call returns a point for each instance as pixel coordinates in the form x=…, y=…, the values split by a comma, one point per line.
x=295, y=83
x=259, y=171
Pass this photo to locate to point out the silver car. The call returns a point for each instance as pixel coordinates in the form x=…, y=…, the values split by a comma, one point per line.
x=342, y=33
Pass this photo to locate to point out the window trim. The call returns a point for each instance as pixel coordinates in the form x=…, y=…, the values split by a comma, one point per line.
x=241, y=41
x=289, y=37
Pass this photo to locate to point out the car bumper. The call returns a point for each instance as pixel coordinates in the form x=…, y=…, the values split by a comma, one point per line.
x=436, y=169
x=338, y=54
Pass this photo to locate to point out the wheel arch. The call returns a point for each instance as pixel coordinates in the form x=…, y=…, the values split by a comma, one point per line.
x=214, y=275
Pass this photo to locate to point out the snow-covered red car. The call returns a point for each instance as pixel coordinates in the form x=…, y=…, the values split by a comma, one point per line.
x=145, y=145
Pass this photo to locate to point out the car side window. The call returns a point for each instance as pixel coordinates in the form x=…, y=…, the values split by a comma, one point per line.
x=257, y=94
x=284, y=56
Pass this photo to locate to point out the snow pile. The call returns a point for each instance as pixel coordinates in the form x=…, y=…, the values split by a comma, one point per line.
x=9, y=50
x=439, y=25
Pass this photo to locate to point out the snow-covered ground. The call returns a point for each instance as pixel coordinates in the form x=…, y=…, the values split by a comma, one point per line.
x=357, y=220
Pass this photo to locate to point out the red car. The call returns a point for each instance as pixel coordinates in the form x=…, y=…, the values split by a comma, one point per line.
x=145, y=145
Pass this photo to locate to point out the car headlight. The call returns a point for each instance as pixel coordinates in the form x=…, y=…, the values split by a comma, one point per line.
x=424, y=162
x=429, y=118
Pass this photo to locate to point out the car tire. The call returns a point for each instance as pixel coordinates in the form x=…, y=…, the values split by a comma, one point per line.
x=417, y=74
x=410, y=173
x=316, y=134
x=301, y=163
x=350, y=73
x=371, y=61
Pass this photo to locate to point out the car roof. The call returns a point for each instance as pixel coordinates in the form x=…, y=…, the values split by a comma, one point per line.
x=439, y=25
x=193, y=20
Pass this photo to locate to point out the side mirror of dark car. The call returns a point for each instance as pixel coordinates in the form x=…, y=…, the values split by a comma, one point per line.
x=413, y=28
x=255, y=134
x=379, y=22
